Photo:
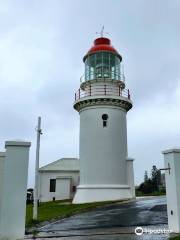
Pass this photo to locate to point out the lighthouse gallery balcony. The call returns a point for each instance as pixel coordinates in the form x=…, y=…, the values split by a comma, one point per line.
x=102, y=90
x=102, y=94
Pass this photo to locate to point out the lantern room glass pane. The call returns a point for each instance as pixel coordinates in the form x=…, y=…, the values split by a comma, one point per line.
x=102, y=65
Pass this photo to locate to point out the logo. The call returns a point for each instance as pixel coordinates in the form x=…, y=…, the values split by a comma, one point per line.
x=139, y=231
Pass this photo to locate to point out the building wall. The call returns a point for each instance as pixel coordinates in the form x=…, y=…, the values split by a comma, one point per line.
x=61, y=193
x=103, y=151
x=63, y=188
x=130, y=175
x=2, y=162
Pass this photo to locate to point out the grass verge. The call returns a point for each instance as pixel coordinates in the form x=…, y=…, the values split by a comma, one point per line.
x=175, y=238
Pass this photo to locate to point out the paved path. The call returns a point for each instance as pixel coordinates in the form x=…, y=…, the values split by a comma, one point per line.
x=112, y=222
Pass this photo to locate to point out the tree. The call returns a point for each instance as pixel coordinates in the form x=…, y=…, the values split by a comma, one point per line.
x=146, y=187
x=145, y=176
x=155, y=177
x=151, y=184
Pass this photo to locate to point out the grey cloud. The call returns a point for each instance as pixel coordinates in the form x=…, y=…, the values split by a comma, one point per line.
x=42, y=44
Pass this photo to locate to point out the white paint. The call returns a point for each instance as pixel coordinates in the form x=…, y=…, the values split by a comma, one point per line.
x=12, y=219
x=101, y=192
x=103, y=153
x=172, y=157
x=2, y=162
x=63, y=184
x=130, y=176
x=66, y=173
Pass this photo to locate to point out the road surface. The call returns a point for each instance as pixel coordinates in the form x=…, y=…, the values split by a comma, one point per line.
x=113, y=222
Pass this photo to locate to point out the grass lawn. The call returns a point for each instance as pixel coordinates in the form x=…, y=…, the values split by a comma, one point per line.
x=175, y=238
x=57, y=210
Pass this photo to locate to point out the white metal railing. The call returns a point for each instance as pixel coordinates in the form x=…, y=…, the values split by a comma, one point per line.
x=102, y=90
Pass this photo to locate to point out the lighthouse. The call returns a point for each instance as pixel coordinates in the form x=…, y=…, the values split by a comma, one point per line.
x=106, y=171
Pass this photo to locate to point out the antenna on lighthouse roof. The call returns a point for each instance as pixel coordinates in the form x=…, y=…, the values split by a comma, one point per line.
x=101, y=33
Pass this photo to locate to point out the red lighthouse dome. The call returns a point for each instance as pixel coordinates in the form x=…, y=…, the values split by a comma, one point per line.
x=102, y=44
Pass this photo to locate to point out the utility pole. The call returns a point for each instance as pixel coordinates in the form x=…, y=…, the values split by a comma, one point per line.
x=39, y=132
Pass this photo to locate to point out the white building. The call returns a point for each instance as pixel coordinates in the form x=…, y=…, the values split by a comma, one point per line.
x=106, y=172
x=58, y=180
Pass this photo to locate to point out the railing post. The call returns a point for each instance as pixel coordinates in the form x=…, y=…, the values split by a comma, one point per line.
x=128, y=94
x=75, y=96
x=105, y=89
x=79, y=93
x=119, y=91
x=90, y=90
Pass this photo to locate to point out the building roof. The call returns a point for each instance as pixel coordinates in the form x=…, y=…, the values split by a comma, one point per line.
x=102, y=44
x=63, y=164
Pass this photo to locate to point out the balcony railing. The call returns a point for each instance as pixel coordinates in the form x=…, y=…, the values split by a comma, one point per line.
x=102, y=90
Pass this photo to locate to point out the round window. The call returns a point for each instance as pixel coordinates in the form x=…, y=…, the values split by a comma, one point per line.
x=104, y=117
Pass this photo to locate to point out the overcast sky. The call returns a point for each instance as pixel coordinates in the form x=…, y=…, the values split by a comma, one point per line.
x=42, y=44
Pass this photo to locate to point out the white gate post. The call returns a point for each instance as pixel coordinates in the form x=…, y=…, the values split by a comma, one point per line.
x=172, y=177
x=13, y=206
x=2, y=161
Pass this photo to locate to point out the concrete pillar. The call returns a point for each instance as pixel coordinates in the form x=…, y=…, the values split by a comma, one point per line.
x=2, y=161
x=172, y=176
x=13, y=204
x=130, y=176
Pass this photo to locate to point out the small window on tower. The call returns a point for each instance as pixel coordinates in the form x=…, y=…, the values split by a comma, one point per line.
x=104, y=118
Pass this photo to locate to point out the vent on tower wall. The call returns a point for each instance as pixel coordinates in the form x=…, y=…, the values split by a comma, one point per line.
x=104, y=118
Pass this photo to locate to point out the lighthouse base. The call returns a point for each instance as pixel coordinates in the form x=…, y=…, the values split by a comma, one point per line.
x=100, y=193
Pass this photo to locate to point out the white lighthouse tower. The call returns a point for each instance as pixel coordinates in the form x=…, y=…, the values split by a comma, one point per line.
x=106, y=172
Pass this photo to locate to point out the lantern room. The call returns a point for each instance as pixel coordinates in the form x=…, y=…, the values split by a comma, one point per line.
x=102, y=61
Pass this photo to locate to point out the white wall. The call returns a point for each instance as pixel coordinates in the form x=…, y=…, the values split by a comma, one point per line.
x=173, y=188
x=12, y=218
x=44, y=183
x=63, y=188
x=2, y=162
x=103, y=151
x=130, y=175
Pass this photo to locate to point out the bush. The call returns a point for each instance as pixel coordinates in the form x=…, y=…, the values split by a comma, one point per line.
x=146, y=187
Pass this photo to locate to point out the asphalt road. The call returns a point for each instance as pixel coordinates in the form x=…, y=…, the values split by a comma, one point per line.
x=112, y=222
